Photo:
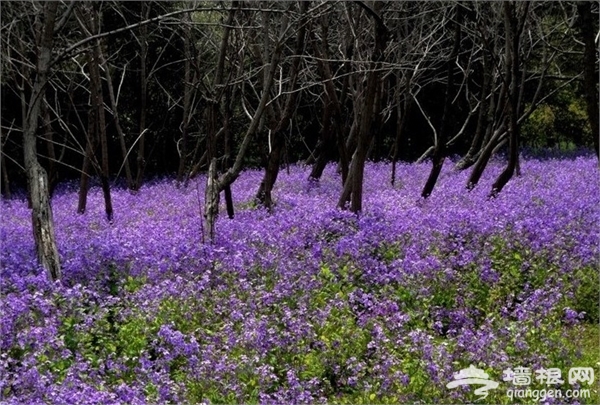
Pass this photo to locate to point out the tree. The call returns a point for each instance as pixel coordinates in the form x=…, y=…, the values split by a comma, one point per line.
x=37, y=178
x=276, y=134
x=590, y=64
x=352, y=191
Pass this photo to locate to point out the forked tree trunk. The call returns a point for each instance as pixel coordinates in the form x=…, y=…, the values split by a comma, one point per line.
x=211, y=202
x=439, y=153
x=98, y=106
x=37, y=179
x=277, y=141
x=352, y=191
x=482, y=120
x=513, y=28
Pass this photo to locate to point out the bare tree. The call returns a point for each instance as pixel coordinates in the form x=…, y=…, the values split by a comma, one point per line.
x=352, y=191
x=276, y=134
x=37, y=179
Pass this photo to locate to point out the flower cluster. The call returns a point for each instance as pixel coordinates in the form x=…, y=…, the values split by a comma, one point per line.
x=306, y=303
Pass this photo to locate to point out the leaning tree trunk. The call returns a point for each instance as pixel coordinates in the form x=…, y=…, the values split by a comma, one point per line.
x=277, y=135
x=37, y=179
x=352, y=191
x=482, y=120
x=117, y=122
x=513, y=29
x=439, y=153
x=211, y=202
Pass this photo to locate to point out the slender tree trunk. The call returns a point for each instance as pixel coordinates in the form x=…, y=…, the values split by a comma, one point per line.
x=325, y=145
x=333, y=109
x=88, y=159
x=439, y=153
x=590, y=77
x=37, y=179
x=404, y=105
x=188, y=89
x=264, y=194
x=211, y=203
x=227, y=146
x=352, y=191
x=121, y=134
x=211, y=198
x=482, y=119
x=513, y=28
x=98, y=106
x=141, y=158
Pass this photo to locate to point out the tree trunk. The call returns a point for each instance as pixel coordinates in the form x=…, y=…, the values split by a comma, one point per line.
x=513, y=28
x=121, y=134
x=439, y=153
x=188, y=89
x=211, y=203
x=325, y=145
x=482, y=120
x=98, y=106
x=277, y=143
x=590, y=77
x=404, y=105
x=88, y=159
x=141, y=158
x=352, y=191
x=41, y=213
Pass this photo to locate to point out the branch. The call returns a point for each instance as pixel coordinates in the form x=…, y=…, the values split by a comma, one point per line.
x=64, y=54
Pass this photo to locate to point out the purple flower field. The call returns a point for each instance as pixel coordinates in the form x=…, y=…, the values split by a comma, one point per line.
x=308, y=304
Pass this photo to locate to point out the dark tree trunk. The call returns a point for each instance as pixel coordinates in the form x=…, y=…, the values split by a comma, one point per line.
x=37, y=179
x=325, y=145
x=352, y=191
x=439, y=153
x=277, y=141
x=513, y=27
x=333, y=108
x=590, y=76
x=211, y=206
x=98, y=106
x=404, y=105
x=482, y=120
x=121, y=134
x=141, y=158
x=227, y=146
x=188, y=89
x=88, y=159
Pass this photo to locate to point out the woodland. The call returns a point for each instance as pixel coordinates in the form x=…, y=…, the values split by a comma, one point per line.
x=295, y=201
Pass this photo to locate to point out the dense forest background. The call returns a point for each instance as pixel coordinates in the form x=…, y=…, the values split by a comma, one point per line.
x=121, y=91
